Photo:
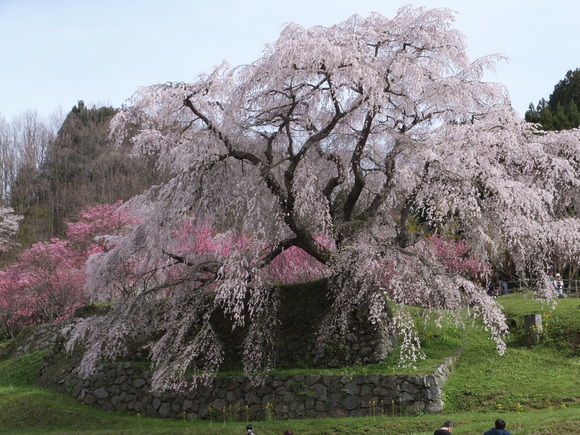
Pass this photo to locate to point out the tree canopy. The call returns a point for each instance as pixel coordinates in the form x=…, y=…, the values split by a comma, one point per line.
x=560, y=112
x=354, y=143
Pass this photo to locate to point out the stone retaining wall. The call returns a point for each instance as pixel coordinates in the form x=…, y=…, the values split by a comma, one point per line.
x=33, y=338
x=126, y=387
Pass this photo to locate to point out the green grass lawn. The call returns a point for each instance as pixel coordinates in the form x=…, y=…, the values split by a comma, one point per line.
x=536, y=390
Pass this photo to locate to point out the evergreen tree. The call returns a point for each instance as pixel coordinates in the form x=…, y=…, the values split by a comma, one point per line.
x=572, y=114
x=560, y=112
x=561, y=121
x=532, y=114
x=68, y=167
x=547, y=119
x=567, y=89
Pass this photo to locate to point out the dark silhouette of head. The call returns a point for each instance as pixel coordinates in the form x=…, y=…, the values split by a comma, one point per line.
x=448, y=423
x=499, y=424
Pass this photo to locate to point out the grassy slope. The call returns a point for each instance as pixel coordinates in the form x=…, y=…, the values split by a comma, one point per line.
x=542, y=377
x=535, y=390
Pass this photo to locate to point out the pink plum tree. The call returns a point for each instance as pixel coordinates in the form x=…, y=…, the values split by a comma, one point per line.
x=343, y=134
x=47, y=281
x=45, y=284
x=99, y=225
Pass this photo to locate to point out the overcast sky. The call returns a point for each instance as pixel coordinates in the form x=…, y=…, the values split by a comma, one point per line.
x=56, y=52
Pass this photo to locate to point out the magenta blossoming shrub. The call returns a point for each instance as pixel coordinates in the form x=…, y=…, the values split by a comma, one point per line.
x=47, y=282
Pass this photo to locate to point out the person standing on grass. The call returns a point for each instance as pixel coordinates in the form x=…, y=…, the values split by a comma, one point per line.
x=250, y=430
x=499, y=428
x=446, y=429
x=558, y=284
x=504, y=288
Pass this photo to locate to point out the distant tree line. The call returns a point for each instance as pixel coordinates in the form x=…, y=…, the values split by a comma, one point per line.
x=560, y=111
x=50, y=169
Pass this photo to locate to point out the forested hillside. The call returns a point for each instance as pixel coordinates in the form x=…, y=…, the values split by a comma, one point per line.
x=51, y=169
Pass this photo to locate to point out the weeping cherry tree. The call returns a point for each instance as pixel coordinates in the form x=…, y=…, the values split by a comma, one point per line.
x=355, y=143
